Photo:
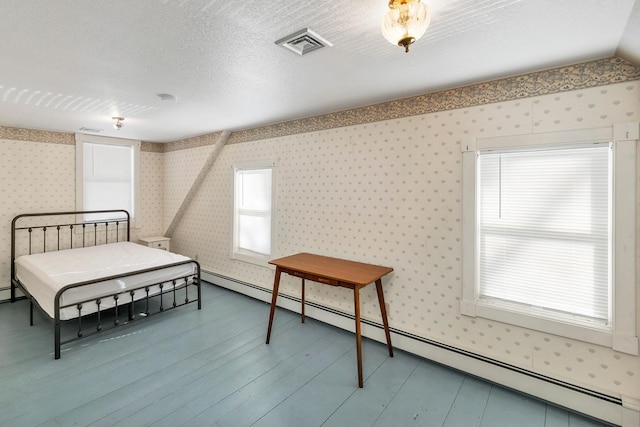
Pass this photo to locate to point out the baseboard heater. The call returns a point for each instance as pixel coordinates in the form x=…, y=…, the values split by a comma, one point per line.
x=554, y=381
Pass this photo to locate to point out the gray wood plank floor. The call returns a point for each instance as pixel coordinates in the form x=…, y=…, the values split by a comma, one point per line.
x=212, y=368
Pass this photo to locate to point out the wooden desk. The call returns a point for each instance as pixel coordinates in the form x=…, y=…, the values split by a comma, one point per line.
x=334, y=272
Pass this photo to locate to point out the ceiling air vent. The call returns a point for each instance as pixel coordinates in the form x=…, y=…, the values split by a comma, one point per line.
x=85, y=129
x=303, y=42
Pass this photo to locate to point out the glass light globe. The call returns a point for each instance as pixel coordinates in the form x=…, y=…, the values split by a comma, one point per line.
x=405, y=22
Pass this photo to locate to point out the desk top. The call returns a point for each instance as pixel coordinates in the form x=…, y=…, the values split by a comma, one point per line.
x=356, y=273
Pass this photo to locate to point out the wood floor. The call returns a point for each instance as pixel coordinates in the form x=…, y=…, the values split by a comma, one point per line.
x=212, y=367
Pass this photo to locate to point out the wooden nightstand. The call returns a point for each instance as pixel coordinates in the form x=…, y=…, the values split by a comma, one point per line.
x=158, y=242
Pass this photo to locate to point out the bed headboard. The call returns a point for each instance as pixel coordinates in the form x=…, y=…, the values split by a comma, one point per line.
x=54, y=231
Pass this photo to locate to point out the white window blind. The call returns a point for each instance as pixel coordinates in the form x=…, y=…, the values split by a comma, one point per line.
x=253, y=210
x=108, y=177
x=545, y=231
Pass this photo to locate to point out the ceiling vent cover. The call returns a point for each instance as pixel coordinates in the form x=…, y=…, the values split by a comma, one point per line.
x=303, y=41
x=86, y=129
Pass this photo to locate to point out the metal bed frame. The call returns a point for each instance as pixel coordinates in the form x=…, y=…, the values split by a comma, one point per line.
x=92, y=233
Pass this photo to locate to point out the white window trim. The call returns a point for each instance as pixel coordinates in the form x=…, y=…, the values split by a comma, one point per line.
x=136, y=218
x=623, y=336
x=254, y=258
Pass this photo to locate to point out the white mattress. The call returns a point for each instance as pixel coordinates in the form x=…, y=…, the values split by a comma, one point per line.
x=43, y=275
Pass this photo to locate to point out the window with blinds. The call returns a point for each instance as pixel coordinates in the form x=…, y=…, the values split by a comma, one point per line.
x=107, y=175
x=253, y=213
x=549, y=233
x=544, y=231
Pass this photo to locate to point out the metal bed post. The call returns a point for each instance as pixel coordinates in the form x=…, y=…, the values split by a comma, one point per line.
x=56, y=326
x=199, y=285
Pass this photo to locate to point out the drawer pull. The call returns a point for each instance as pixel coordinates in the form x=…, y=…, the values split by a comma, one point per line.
x=312, y=277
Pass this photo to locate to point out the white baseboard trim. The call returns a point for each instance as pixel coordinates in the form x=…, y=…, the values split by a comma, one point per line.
x=617, y=410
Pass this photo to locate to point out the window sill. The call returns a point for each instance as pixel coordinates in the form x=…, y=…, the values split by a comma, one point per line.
x=251, y=258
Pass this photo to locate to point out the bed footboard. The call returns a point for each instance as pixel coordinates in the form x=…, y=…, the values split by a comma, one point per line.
x=132, y=304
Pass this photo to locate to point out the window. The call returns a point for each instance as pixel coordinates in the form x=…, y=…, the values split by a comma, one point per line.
x=107, y=175
x=253, y=212
x=548, y=230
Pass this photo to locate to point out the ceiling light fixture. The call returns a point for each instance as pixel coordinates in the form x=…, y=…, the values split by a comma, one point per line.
x=405, y=22
x=118, y=124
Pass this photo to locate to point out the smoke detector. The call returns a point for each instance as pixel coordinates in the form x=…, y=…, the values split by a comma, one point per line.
x=167, y=97
x=303, y=41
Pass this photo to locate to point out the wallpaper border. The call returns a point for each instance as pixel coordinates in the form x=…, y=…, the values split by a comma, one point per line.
x=34, y=135
x=51, y=137
x=194, y=142
x=561, y=79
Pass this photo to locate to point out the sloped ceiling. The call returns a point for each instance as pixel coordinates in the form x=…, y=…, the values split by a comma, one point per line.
x=69, y=65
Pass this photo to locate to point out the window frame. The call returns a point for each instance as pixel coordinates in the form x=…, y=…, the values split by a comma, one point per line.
x=235, y=252
x=623, y=335
x=135, y=219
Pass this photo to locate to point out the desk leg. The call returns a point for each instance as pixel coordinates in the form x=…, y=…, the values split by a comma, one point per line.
x=302, y=311
x=383, y=312
x=274, y=297
x=356, y=304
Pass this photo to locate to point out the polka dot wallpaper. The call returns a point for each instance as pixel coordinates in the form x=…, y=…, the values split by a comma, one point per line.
x=389, y=193
x=152, y=184
x=32, y=181
x=181, y=168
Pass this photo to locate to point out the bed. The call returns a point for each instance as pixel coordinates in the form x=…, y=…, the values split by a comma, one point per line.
x=81, y=268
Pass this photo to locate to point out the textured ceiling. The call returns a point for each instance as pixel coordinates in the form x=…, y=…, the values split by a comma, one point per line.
x=72, y=64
